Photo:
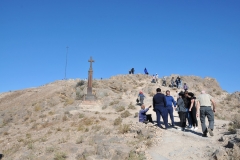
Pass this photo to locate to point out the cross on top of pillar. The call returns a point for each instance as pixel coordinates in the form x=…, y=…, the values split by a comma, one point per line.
x=90, y=60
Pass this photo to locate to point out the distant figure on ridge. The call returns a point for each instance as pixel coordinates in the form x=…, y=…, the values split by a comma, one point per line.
x=204, y=101
x=169, y=103
x=143, y=117
x=185, y=87
x=156, y=77
x=132, y=70
x=141, y=97
x=172, y=82
x=145, y=71
x=159, y=106
x=164, y=81
x=179, y=83
x=153, y=78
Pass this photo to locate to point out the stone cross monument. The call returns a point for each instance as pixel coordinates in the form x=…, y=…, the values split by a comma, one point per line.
x=90, y=96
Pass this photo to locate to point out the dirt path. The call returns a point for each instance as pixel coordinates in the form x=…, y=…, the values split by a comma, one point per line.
x=186, y=144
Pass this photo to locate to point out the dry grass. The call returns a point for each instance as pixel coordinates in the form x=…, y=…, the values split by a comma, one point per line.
x=125, y=114
x=120, y=108
x=131, y=106
x=235, y=125
x=79, y=140
x=124, y=128
x=50, y=149
x=81, y=115
x=117, y=121
x=102, y=118
x=68, y=101
x=113, y=102
x=60, y=156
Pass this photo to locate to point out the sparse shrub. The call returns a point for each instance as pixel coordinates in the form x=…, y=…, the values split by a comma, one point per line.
x=228, y=98
x=106, y=131
x=60, y=156
x=50, y=149
x=235, y=125
x=86, y=121
x=96, y=127
x=86, y=129
x=113, y=102
x=218, y=93
x=117, y=121
x=120, y=108
x=5, y=133
x=30, y=145
x=68, y=101
x=104, y=107
x=96, y=112
x=133, y=155
x=151, y=94
x=64, y=118
x=125, y=114
x=37, y=108
x=80, y=83
x=51, y=113
x=102, y=118
x=79, y=140
x=59, y=129
x=148, y=143
x=81, y=115
x=28, y=136
x=136, y=115
x=131, y=106
x=124, y=128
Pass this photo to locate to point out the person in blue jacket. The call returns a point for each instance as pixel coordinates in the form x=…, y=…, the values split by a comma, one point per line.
x=159, y=106
x=170, y=102
x=143, y=117
x=145, y=71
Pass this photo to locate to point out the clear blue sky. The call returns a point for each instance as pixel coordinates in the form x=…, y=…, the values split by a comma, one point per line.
x=185, y=37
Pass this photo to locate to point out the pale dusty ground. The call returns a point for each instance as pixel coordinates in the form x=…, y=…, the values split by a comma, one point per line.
x=36, y=119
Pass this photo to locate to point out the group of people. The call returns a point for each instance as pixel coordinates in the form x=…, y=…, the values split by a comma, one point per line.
x=188, y=107
x=176, y=83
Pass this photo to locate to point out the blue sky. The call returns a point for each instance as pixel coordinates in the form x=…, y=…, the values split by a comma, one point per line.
x=183, y=37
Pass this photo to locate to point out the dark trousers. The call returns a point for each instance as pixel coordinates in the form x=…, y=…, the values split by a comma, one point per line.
x=149, y=118
x=170, y=113
x=183, y=117
x=162, y=111
x=206, y=111
x=194, y=117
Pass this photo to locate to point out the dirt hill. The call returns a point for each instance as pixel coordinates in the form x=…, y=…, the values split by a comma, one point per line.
x=53, y=122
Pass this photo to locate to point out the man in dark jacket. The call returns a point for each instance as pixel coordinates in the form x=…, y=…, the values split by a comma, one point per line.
x=159, y=106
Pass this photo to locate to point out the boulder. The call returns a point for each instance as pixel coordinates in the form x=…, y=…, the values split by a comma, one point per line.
x=219, y=154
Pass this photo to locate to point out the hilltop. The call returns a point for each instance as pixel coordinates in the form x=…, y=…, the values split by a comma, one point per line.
x=53, y=122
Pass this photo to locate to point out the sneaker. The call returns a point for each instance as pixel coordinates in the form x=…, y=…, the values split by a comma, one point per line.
x=189, y=127
x=180, y=129
x=193, y=128
x=196, y=128
x=210, y=132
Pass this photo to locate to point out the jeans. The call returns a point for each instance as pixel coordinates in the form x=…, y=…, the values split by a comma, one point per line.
x=206, y=111
x=170, y=112
x=162, y=111
x=141, y=100
x=189, y=117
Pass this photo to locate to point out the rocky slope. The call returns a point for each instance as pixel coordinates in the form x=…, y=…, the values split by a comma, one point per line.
x=53, y=121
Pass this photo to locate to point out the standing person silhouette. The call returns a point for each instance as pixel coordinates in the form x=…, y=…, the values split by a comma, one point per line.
x=159, y=106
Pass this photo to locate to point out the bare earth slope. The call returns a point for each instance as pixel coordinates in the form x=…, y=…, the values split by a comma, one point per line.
x=52, y=122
